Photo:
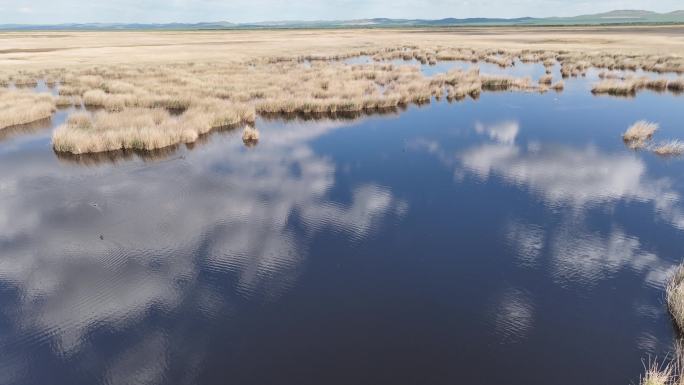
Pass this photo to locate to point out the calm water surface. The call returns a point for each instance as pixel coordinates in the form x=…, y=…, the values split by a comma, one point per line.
x=513, y=239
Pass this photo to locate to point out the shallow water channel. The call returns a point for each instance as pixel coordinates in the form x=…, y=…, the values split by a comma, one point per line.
x=512, y=239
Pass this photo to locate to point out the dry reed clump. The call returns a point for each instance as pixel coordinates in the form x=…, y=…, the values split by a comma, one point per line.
x=659, y=375
x=546, y=79
x=250, y=135
x=22, y=107
x=308, y=85
x=670, y=148
x=68, y=101
x=24, y=81
x=558, y=86
x=675, y=297
x=629, y=86
x=676, y=85
x=199, y=93
x=144, y=128
x=502, y=82
x=671, y=373
x=639, y=134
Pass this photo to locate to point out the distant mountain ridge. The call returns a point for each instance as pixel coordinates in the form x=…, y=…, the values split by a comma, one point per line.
x=613, y=17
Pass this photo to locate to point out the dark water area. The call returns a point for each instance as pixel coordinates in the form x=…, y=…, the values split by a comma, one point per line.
x=511, y=239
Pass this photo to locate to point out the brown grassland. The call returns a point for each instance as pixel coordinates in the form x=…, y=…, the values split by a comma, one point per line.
x=150, y=90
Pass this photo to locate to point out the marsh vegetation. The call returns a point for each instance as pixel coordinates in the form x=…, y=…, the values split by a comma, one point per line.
x=146, y=107
x=21, y=107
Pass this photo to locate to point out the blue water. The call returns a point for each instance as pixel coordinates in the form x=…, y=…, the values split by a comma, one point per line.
x=511, y=239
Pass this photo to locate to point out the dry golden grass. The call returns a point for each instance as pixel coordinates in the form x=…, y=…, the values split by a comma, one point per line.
x=144, y=128
x=67, y=101
x=250, y=135
x=676, y=85
x=32, y=50
x=675, y=297
x=558, y=86
x=501, y=82
x=671, y=371
x=658, y=375
x=22, y=107
x=670, y=148
x=299, y=72
x=197, y=92
x=638, y=134
x=629, y=86
x=546, y=79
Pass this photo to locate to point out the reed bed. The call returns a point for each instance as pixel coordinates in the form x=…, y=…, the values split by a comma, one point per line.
x=675, y=297
x=305, y=85
x=21, y=107
x=144, y=128
x=660, y=375
x=558, y=86
x=546, y=80
x=638, y=134
x=630, y=86
x=250, y=135
x=671, y=373
x=194, y=95
x=669, y=148
x=676, y=85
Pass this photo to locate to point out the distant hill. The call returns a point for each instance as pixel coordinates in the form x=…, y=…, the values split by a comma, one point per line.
x=618, y=17
x=613, y=17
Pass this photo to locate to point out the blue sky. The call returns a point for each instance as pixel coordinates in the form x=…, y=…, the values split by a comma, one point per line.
x=64, y=11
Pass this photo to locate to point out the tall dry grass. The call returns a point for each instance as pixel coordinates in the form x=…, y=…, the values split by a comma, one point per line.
x=630, y=86
x=638, y=134
x=144, y=128
x=672, y=372
x=314, y=84
x=22, y=107
x=675, y=297
x=196, y=95
x=669, y=148
x=250, y=135
x=660, y=374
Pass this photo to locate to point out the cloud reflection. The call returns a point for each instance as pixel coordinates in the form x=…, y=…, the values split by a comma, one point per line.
x=576, y=179
x=514, y=315
x=105, y=246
